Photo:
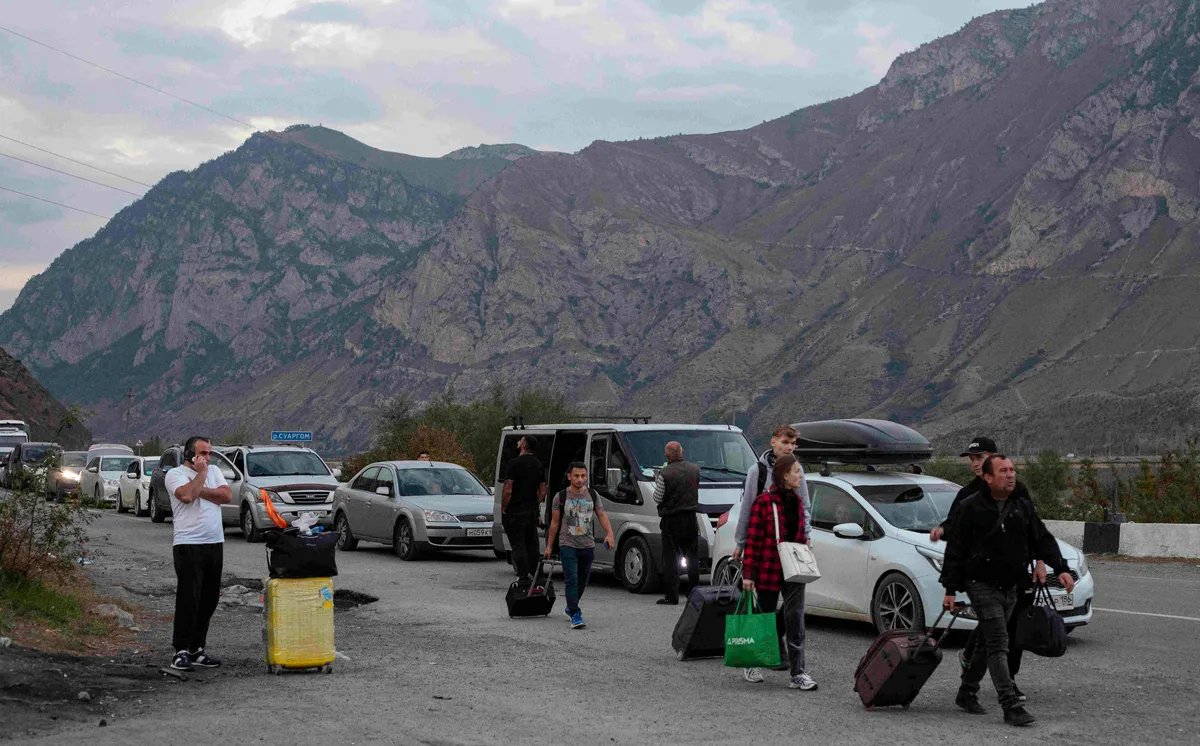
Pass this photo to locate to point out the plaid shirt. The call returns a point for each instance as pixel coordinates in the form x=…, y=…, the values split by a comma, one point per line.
x=760, y=562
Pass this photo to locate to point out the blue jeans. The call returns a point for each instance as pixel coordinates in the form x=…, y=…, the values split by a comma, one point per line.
x=577, y=568
x=993, y=607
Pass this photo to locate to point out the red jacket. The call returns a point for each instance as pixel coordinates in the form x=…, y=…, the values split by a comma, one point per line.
x=760, y=559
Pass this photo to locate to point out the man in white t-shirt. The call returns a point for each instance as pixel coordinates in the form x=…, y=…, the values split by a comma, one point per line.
x=197, y=490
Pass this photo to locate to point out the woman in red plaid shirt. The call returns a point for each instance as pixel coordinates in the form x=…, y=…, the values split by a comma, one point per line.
x=761, y=569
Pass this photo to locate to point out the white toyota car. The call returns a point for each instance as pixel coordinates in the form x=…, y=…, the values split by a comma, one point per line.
x=871, y=539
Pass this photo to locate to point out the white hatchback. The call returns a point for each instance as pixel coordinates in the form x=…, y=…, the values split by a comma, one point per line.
x=871, y=539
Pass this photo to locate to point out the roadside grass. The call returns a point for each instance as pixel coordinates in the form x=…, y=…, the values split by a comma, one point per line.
x=60, y=616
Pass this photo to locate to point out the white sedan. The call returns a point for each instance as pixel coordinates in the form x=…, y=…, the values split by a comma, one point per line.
x=871, y=539
x=133, y=486
x=415, y=506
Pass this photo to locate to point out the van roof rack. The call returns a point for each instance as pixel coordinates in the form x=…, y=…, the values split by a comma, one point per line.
x=518, y=420
x=859, y=441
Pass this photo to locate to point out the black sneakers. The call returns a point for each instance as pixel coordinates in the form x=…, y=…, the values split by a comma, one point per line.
x=969, y=703
x=1018, y=716
x=203, y=659
x=182, y=661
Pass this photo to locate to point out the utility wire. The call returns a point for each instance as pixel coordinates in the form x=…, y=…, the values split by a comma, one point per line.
x=58, y=204
x=73, y=160
x=73, y=176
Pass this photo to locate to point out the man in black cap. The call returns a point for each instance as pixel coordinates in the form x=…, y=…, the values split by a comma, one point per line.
x=978, y=451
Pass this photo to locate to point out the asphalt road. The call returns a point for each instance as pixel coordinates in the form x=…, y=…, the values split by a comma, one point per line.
x=437, y=660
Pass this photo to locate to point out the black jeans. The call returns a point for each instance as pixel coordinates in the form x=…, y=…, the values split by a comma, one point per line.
x=793, y=622
x=993, y=607
x=521, y=529
x=1024, y=601
x=198, y=572
x=680, y=537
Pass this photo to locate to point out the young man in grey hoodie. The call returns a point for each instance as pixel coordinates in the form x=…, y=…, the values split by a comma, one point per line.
x=783, y=442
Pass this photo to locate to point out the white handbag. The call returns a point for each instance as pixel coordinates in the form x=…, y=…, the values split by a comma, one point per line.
x=797, y=560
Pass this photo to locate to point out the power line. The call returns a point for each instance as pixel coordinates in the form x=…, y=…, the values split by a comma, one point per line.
x=73, y=160
x=73, y=176
x=58, y=204
x=135, y=81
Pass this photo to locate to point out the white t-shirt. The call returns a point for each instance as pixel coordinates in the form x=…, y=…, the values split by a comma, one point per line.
x=197, y=522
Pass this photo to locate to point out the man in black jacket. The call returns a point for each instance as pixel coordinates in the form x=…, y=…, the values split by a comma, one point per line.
x=677, y=492
x=976, y=453
x=992, y=538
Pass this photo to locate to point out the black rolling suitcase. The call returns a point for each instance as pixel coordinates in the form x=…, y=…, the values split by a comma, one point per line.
x=897, y=665
x=700, y=631
x=535, y=598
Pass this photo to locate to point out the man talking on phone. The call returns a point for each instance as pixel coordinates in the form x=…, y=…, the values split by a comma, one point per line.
x=197, y=490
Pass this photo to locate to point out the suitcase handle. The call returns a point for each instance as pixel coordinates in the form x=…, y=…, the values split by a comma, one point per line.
x=934, y=642
x=538, y=571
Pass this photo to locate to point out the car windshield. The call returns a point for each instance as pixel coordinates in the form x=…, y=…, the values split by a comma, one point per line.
x=435, y=481
x=115, y=464
x=912, y=507
x=11, y=440
x=722, y=455
x=35, y=454
x=285, y=464
x=74, y=459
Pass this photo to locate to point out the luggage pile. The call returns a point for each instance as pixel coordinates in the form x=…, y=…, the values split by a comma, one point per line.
x=298, y=600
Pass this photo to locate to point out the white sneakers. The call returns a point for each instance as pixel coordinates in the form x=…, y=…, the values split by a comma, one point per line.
x=803, y=682
x=753, y=675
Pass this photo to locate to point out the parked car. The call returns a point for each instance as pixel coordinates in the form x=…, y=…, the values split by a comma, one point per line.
x=623, y=461
x=98, y=480
x=870, y=534
x=133, y=486
x=160, y=502
x=28, y=463
x=414, y=506
x=63, y=477
x=12, y=434
x=295, y=479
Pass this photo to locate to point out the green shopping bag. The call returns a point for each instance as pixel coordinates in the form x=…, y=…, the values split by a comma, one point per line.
x=751, y=640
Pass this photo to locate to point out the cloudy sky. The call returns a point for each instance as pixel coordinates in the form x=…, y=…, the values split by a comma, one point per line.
x=417, y=76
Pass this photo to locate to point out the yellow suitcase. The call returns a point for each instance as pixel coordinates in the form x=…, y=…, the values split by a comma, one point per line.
x=298, y=623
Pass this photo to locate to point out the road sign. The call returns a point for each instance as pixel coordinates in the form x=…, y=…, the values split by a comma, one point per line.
x=291, y=436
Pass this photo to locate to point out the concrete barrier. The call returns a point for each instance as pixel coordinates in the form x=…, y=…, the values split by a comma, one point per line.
x=1132, y=539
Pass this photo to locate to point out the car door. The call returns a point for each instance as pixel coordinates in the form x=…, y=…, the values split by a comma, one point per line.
x=89, y=477
x=127, y=483
x=357, y=506
x=381, y=509
x=843, y=562
x=230, y=511
x=604, y=453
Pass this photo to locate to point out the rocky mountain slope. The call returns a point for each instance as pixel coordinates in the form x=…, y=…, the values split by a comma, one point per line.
x=23, y=398
x=997, y=237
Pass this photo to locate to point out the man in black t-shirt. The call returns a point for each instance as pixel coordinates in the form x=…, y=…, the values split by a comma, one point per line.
x=524, y=491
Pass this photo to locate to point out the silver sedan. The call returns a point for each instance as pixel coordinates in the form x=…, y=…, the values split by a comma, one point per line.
x=415, y=506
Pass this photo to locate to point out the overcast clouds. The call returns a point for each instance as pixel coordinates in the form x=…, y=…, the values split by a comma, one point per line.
x=422, y=77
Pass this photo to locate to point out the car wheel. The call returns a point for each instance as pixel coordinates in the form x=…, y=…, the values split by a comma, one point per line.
x=156, y=513
x=96, y=496
x=121, y=501
x=138, y=509
x=499, y=554
x=345, y=540
x=249, y=531
x=727, y=573
x=636, y=566
x=897, y=604
x=405, y=543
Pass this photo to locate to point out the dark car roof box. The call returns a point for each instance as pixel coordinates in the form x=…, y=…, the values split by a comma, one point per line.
x=860, y=442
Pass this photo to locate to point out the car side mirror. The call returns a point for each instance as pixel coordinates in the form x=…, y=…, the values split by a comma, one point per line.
x=133, y=471
x=612, y=480
x=849, y=531
x=383, y=490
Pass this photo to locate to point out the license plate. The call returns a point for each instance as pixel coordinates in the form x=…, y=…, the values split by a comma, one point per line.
x=1064, y=602
x=479, y=532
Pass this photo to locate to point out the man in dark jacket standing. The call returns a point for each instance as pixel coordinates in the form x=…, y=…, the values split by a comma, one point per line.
x=524, y=491
x=976, y=453
x=677, y=492
x=991, y=540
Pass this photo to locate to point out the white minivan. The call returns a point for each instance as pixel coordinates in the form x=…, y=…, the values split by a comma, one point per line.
x=623, y=460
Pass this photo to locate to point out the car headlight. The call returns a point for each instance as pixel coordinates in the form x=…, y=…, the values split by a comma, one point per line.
x=1082, y=567
x=934, y=558
x=263, y=494
x=70, y=475
x=110, y=483
x=439, y=516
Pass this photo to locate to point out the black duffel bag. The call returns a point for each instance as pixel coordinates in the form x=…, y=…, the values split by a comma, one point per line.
x=291, y=554
x=1040, y=628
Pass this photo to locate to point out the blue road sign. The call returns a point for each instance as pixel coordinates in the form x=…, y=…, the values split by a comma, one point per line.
x=301, y=436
